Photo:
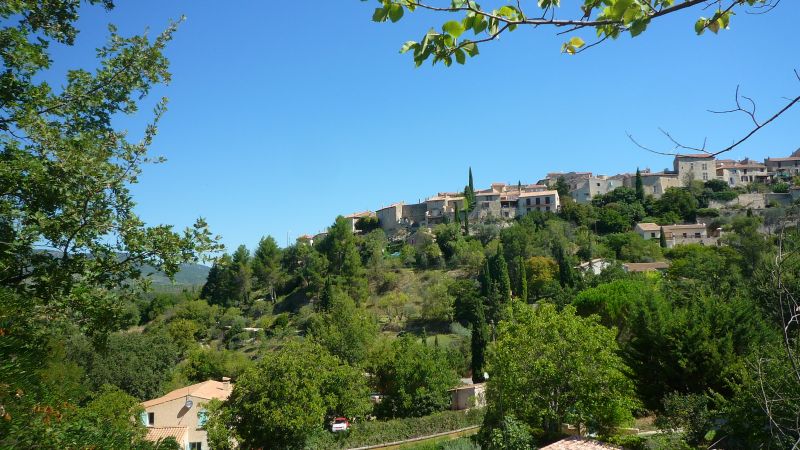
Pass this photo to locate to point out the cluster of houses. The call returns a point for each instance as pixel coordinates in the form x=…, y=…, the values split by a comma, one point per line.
x=509, y=201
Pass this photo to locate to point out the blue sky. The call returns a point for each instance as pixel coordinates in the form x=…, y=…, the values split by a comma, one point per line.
x=283, y=115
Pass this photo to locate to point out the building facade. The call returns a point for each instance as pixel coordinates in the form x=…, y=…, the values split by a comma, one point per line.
x=181, y=414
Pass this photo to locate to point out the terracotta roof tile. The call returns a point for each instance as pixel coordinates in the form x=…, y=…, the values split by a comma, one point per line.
x=208, y=390
x=155, y=434
x=579, y=443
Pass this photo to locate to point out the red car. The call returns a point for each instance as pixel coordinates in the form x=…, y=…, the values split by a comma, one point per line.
x=340, y=424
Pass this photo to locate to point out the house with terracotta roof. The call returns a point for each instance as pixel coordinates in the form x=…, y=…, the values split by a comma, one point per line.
x=659, y=266
x=648, y=230
x=355, y=217
x=784, y=167
x=740, y=173
x=544, y=201
x=180, y=414
x=579, y=443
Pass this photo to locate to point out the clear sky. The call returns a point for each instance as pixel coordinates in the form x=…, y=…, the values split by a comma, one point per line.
x=283, y=115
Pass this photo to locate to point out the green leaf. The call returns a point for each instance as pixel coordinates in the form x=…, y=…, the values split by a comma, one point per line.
x=461, y=58
x=395, y=12
x=480, y=25
x=700, y=25
x=619, y=7
x=453, y=28
x=576, y=42
x=380, y=14
x=408, y=46
x=471, y=48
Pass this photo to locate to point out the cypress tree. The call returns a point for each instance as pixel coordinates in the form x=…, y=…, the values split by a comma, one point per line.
x=500, y=275
x=522, y=277
x=565, y=275
x=458, y=216
x=662, y=239
x=466, y=223
x=478, y=341
x=471, y=186
x=639, y=186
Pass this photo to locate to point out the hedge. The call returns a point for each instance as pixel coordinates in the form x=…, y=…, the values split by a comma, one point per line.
x=380, y=432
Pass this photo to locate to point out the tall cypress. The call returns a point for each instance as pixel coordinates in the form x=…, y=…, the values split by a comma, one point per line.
x=522, y=279
x=471, y=185
x=662, y=239
x=478, y=341
x=500, y=274
x=458, y=216
x=639, y=186
x=466, y=223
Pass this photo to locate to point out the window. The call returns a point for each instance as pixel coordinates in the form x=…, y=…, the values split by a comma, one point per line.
x=684, y=235
x=538, y=201
x=547, y=200
x=697, y=235
x=704, y=166
x=529, y=210
x=527, y=201
x=202, y=418
x=705, y=176
x=548, y=208
x=148, y=419
x=652, y=235
x=598, y=184
x=195, y=446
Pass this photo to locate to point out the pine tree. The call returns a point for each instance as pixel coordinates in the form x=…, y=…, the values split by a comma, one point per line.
x=662, y=239
x=639, y=186
x=478, y=341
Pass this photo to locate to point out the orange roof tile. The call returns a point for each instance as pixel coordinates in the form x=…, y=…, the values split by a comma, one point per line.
x=155, y=434
x=579, y=443
x=210, y=389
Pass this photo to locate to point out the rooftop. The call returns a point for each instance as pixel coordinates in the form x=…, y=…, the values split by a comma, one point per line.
x=696, y=156
x=208, y=390
x=538, y=193
x=645, y=267
x=155, y=434
x=649, y=226
x=579, y=443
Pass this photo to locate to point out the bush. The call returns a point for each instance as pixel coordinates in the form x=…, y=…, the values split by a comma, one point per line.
x=780, y=187
x=724, y=196
x=379, y=432
x=708, y=212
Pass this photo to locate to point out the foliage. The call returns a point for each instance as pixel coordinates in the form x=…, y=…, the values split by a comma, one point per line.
x=509, y=434
x=437, y=303
x=344, y=329
x=379, y=432
x=414, y=378
x=687, y=414
x=550, y=367
x=66, y=171
x=136, y=363
x=287, y=396
x=209, y=364
x=679, y=201
x=344, y=261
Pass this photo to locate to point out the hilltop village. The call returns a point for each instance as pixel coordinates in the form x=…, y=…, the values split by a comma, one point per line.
x=748, y=184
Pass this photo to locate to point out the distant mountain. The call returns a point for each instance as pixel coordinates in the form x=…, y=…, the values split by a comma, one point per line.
x=188, y=275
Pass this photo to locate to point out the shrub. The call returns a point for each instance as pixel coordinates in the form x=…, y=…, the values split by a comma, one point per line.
x=379, y=432
x=724, y=196
x=708, y=212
